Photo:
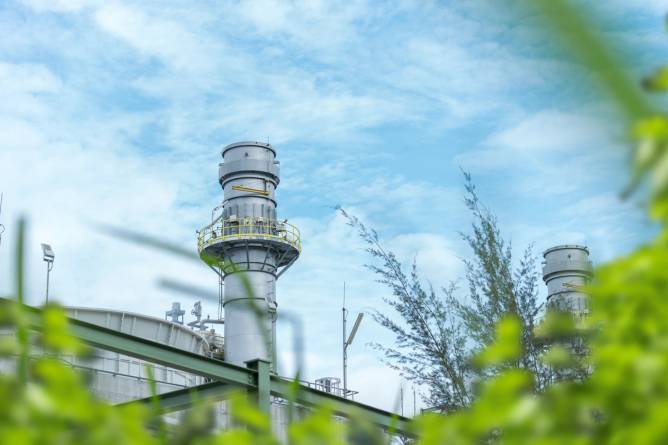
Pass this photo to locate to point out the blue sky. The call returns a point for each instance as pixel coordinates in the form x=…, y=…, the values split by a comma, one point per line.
x=116, y=111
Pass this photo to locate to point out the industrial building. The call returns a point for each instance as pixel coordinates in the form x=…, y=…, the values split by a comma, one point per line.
x=248, y=246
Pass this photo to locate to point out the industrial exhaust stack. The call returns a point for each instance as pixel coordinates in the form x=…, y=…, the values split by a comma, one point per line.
x=566, y=269
x=250, y=248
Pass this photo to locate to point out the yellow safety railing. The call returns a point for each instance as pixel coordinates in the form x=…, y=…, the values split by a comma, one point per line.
x=248, y=228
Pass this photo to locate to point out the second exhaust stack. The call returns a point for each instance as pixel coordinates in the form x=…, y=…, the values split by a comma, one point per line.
x=566, y=270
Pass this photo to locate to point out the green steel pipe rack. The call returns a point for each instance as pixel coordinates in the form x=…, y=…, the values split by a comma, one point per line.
x=255, y=379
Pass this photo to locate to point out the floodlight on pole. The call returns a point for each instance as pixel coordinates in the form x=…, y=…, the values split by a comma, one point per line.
x=347, y=341
x=356, y=326
x=48, y=258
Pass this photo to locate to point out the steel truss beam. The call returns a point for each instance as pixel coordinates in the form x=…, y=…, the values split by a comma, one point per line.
x=255, y=379
x=183, y=398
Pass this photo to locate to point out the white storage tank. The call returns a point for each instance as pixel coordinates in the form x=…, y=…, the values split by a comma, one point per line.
x=119, y=378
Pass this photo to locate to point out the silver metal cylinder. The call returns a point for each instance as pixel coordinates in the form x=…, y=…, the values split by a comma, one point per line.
x=251, y=248
x=566, y=270
x=248, y=326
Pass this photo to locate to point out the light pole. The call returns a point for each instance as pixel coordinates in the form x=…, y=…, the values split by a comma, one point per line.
x=348, y=341
x=48, y=259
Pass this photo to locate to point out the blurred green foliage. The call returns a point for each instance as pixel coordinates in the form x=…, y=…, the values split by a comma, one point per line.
x=624, y=401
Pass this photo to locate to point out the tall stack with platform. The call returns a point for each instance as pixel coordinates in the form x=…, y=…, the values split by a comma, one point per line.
x=249, y=248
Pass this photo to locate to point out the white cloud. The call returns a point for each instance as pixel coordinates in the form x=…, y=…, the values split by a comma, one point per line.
x=60, y=187
x=58, y=5
x=312, y=24
x=550, y=131
x=550, y=152
x=154, y=36
x=27, y=78
x=435, y=256
x=60, y=175
x=365, y=378
x=20, y=86
x=657, y=8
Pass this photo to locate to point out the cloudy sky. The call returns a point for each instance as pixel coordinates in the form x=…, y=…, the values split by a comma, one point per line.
x=116, y=111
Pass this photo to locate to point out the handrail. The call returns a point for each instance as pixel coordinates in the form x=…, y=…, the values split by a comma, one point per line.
x=187, y=380
x=336, y=390
x=136, y=369
x=248, y=228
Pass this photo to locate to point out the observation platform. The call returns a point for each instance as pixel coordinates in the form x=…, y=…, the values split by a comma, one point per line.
x=217, y=239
